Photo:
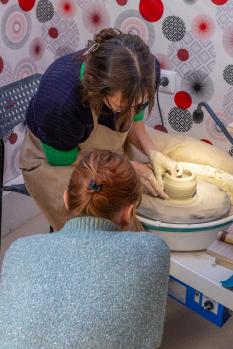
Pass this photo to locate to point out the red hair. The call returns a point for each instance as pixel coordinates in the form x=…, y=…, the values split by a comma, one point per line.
x=114, y=177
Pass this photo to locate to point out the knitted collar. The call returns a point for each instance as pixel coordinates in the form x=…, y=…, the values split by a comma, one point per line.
x=88, y=224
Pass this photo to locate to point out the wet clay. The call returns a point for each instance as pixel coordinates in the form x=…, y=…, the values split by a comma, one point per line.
x=182, y=187
x=212, y=175
x=209, y=164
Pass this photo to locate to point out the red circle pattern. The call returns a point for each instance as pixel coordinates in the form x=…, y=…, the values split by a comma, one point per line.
x=183, y=54
x=66, y=7
x=53, y=32
x=1, y=65
x=122, y=2
x=203, y=27
x=183, y=100
x=26, y=5
x=206, y=141
x=160, y=128
x=36, y=48
x=151, y=10
x=219, y=2
x=13, y=138
x=4, y=2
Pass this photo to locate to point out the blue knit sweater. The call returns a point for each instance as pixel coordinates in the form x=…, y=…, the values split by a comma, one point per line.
x=57, y=115
x=88, y=286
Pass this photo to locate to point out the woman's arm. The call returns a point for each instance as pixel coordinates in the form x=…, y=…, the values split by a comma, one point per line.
x=139, y=138
x=160, y=163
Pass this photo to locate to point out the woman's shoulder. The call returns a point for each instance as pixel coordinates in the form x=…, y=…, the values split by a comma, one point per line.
x=148, y=245
x=73, y=59
x=22, y=248
x=61, y=82
x=24, y=245
x=145, y=238
x=64, y=69
x=25, y=255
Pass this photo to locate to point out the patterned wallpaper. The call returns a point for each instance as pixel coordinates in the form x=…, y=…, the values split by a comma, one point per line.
x=194, y=38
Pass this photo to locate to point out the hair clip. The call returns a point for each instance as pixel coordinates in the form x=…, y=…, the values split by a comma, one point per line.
x=92, y=48
x=94, y=186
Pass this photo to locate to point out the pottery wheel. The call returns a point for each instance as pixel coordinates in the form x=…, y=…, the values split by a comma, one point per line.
x=208, y=204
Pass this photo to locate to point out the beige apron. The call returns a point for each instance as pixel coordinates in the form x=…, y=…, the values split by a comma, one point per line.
x=47, y=183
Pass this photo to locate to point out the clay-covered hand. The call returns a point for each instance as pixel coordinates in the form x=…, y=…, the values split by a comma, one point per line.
x=161, y=164
x=148, y=180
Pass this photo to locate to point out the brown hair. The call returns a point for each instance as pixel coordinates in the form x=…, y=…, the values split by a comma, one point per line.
x=119, y=62
x=116, y=185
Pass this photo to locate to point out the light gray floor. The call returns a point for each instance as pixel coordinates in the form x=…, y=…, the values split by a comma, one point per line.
x=37, y=225
x=183, y=329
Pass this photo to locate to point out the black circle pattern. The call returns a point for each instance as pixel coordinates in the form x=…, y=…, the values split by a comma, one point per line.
x=199, y=85
x=180, y=119
x=44, y=11
x=173, y=28
x=228, y=74
x=190, y=2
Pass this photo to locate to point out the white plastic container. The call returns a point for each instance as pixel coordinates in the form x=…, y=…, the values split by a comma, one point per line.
x=187, y=237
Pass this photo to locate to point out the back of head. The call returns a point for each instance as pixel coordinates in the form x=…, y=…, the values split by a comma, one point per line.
x=119, y=62
x=102, y=184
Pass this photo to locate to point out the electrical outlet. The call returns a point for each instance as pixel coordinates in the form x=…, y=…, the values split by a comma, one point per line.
x=171, y=76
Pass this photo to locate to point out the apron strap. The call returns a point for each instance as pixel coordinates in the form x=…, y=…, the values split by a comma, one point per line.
x=95, y=118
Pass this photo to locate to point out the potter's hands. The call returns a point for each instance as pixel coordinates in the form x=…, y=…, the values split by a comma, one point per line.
x=161, y=164
x=148, y=180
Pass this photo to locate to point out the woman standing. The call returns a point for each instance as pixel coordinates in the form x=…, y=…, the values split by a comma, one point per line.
x=91, y=99
x=96, y=98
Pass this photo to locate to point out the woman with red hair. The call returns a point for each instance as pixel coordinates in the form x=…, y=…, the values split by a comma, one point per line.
x=94, y=284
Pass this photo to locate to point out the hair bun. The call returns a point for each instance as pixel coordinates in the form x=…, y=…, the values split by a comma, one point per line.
x=106, y=34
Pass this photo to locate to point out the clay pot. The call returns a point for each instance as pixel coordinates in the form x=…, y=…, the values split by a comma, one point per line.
x=180, y=188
